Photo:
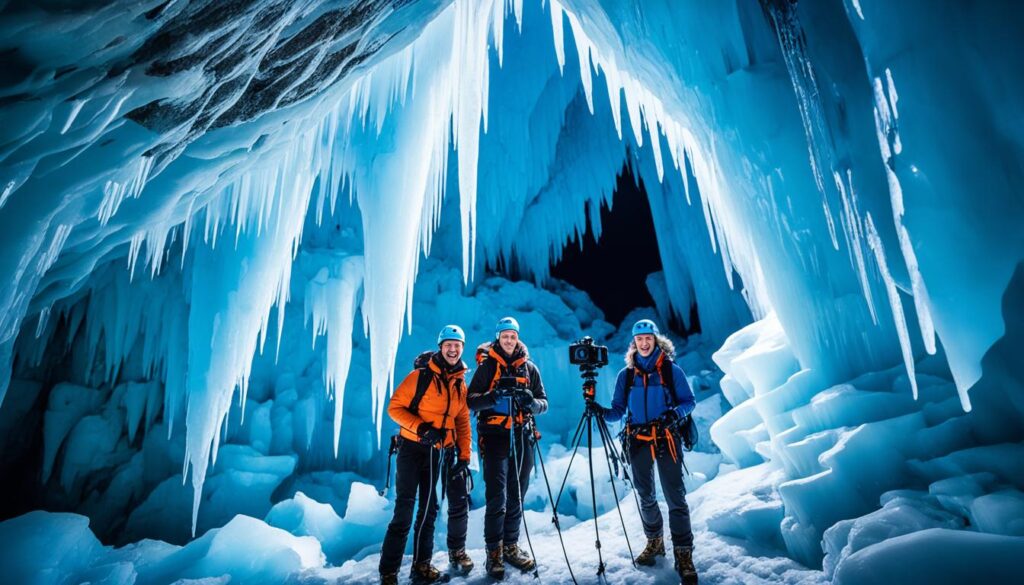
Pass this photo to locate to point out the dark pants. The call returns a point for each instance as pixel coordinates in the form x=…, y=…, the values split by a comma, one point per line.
x=671, y=475
x=504, y=489
x=417, y=468
x=457, y=493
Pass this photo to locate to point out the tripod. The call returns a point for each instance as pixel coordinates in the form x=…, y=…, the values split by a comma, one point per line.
x=529, y=434
x=592, y=416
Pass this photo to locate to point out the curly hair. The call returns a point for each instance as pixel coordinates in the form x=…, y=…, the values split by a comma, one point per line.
x=663, y=342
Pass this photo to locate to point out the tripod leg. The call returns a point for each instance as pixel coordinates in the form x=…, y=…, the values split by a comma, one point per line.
x=517, y=461
x=577, y=437
x=625, y=474
x=540, y=457
x=593, y=492
x=603, y=431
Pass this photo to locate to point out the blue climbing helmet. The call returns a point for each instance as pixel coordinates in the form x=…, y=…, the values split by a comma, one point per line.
x=506, y=324
x=645, y=327
x=451, y=332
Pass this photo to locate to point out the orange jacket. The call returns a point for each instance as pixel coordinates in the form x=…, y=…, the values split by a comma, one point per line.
x=443, y=406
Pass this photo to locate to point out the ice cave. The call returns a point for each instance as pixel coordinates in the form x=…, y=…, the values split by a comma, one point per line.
x=229, y=227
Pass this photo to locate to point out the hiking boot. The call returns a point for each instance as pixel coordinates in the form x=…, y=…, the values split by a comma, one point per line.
x=460, y=561
x=389, y=579
x=518, y=558
x=495, y=566
x=684, y=564
x=655, y=548
x=423, y=573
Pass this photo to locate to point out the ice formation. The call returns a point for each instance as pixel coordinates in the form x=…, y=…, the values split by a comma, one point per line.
x=200, y=203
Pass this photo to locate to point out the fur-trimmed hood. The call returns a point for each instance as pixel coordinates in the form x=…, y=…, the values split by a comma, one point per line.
x=666, y=345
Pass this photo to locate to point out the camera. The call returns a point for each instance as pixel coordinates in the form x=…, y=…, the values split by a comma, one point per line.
x=507, y=384
x=586, y=354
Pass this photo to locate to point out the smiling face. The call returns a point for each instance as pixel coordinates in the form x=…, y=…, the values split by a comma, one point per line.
x=508, y=340
x=645, y=344
x=451, y=351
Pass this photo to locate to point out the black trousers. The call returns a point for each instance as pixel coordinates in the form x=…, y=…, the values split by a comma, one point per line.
x=417, y=469
x=671, y=475
x=506, y=482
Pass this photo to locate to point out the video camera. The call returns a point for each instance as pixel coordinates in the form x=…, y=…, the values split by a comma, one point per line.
x=506, y=384
x=588, y=355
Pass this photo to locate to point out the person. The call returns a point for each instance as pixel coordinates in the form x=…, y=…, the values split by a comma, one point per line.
x=435, y=440
x=506, y=392
x=653, y=394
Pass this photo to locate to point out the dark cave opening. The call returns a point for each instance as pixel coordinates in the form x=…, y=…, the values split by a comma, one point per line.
x=613, y=269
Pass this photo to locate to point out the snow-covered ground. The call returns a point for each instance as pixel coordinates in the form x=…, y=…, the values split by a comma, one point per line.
x=300, y=534
x=719, y=559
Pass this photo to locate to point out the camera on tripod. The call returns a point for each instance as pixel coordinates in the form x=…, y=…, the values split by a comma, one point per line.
x=586, y=354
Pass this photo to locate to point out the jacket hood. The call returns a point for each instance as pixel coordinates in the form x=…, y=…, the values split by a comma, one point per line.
x=664, y=343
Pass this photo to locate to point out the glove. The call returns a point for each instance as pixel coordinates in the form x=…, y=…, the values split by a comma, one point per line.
x=523, y=397
x=596, y=408
x=669, y=418
x=428, y=434
x=459, y=470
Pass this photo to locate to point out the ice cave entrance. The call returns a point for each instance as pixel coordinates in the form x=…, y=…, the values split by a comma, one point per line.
x=613, y=265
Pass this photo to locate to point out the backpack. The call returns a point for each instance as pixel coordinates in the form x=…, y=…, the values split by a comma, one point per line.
x=422, y=365
x=687, y=429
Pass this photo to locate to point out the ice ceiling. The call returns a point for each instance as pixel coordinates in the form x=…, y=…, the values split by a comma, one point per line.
x=852, y=167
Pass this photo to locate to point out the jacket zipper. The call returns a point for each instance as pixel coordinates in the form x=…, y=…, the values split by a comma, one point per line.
x=447, y=409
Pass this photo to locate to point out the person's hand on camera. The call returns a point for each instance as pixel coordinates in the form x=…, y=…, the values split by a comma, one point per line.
x=523, y=397
x=459, y=470
x=596, y=408
x=428, y=434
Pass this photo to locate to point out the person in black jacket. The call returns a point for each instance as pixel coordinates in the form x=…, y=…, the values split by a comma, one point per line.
x=506, y=392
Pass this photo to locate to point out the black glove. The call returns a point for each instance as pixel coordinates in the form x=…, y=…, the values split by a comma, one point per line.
x=459, y=470
x=596, y=408
x=669, y=418
x=428, y=434
x=523, y=397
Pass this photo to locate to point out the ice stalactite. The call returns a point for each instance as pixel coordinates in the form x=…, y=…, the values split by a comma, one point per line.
x=235, y=284
x=956, y=274
x=330, y=306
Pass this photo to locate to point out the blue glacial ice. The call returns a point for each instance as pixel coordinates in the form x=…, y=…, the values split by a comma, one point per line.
x=226, y=227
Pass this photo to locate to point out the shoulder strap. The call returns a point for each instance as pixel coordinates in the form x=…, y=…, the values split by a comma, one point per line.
x=422, y=383
x=668, y=382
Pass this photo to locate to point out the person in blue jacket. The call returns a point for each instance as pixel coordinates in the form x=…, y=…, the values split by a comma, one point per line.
x=654, y=396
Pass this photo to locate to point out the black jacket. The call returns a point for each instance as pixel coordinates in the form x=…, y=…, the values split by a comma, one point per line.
x=492, y=414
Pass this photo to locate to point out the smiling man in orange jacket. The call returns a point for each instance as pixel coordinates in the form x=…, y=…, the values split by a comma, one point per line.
x=435, y=441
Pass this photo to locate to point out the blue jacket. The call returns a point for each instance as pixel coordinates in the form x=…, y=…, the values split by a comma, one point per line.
x=647, y=404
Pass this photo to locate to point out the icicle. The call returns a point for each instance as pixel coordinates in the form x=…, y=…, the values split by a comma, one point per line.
x=885, y=128
x=251, y=279
x=133, y=252
x=897, y=307
x=76, y=107
x=558, y=33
